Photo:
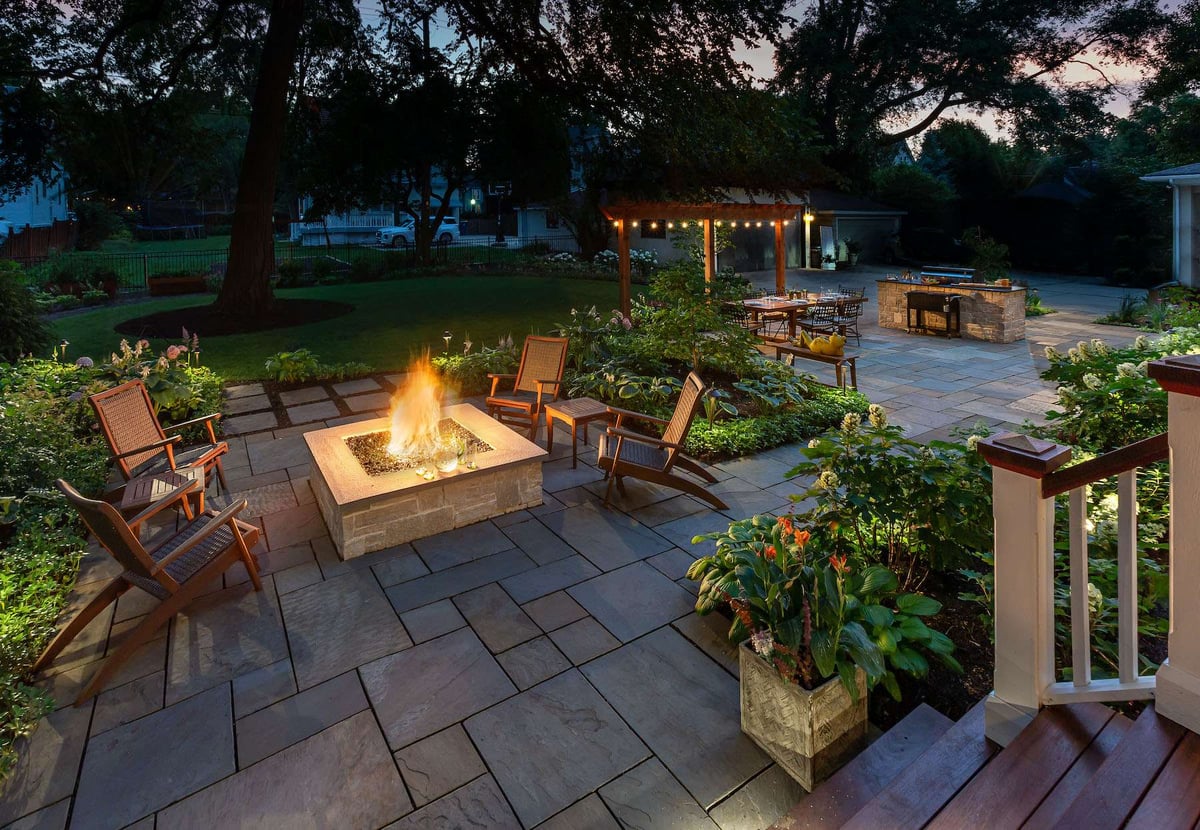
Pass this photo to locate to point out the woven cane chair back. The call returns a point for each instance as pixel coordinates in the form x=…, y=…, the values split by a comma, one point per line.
x=127, y=420
x=110, y=529
x=543, y=358
x=685, y=409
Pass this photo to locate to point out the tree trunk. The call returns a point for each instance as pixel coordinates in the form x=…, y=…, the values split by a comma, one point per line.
x=246, y=291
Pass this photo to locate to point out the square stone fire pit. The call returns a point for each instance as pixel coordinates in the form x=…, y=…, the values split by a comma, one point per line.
x=365, y=512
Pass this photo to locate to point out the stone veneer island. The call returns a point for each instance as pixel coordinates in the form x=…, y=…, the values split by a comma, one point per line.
x=986, y=312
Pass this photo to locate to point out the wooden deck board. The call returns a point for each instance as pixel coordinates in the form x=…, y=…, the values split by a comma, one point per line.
x=1009, y=789
x=1173, y=801
x=1077, y=777
x=1117, y=787
x=915, y=795
x=844, y=794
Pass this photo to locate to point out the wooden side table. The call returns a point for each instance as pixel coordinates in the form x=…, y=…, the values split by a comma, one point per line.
x=576, y=412
x=145, y=490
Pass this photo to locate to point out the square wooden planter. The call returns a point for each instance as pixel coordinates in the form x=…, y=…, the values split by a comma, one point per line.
x=808, y=733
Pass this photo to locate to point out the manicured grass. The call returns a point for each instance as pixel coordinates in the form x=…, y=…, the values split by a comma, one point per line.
x=391, y=320
x=171, y=246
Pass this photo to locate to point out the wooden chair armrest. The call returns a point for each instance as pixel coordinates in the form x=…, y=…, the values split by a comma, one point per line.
x=543, y=383
x=629, y=413
x=169, y=500
x=496, y=378
x=617, y=432
x=157, y=445
x=207, y=420
x=225, y=517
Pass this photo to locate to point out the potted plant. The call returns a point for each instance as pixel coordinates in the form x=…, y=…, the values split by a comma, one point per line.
x=828, y=262
x=853, y=249
x=816, y=633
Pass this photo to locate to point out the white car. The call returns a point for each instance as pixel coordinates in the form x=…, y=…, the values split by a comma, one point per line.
x=402, y=235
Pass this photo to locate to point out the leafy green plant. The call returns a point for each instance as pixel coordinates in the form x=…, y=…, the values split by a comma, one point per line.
x=469, y=371
x=887, y=499
x=1129, y=313
x=812, y=614
x=22, y=329
x=615, y=383
x=1034, y=307
x=989, y=258
x=1158, y=316
x=291, y=273
x=716, y=403
x=733, y=437
x=292, y=366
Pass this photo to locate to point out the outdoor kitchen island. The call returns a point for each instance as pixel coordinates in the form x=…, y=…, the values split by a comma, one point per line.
x=984, y=312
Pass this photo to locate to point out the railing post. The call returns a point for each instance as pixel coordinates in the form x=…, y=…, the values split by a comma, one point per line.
x=1177, y=693
x=1024, y=579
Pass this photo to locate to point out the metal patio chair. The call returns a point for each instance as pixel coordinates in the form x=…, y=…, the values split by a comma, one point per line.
x=626, y=454
x=821, y=318
x=538, y=381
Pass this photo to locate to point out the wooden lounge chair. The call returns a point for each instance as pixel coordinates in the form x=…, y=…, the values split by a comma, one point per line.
x=179, y=566
x=140, y=445
x=623, y=453
x=537, y=381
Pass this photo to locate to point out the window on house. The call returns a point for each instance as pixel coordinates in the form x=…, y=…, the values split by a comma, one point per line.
x=551, y=220
x=653, y=228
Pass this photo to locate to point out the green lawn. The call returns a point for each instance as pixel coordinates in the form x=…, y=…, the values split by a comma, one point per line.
x=391, y=320
x=165, y=246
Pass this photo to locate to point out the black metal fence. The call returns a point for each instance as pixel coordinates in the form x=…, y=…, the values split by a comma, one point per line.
x=133, y=272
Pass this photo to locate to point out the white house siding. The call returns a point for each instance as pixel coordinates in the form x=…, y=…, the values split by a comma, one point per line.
x=43, y=204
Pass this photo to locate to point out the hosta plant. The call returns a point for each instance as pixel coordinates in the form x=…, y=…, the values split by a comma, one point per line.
x=813, y=615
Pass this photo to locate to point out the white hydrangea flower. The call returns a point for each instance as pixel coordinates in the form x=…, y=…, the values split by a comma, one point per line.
x=1128, y=370
x=1053, y=354
x=973, y=442
x=876, y=416
x=1075, y=356
x=1141, y=343
x=1099, y=347
x=1095, y=599
x=814, y=443
x=851, y=422
x=1083, y=348
x=1092, y=381
x=828, y=480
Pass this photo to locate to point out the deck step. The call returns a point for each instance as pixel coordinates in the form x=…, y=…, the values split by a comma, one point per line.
x=1008, y=790
x=835, y=801
x=1067, y=790
x=1174, y=799
x=1113, y=793
x=915, y=795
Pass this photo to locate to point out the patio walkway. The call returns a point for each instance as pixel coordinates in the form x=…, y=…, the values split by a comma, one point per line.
x=543, y=669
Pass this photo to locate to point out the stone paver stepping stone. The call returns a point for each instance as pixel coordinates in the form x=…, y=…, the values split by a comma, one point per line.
x=559, y=475
x=353, y=387
x=405, y=565
x=583, y=640
x=447, y=583
x=308, y=412
x=341, y=777
x=745, y=499
x=647, y=796
x=552, y=745
x=54, y=817
x=47, y=763
x=633, y=600
x=147, y=751
x=432, y=620
x=496, y=618
x=608, y=538
x=538, y=541
x=306, y=395
x=123, y=704
x=554, y=611
x=759, y=470
x=244, y=390
x=297, y=577
x=530, y=663
x=272, y=561
x=223, y=635
x=685, y=707
x=681, y=531
x=279, y=454
x=672, y=564
x=462, y=545
x=440, y=763
x=710, y=634
x=760, y=803
x=668, y=511
x=549, y=578
x=249, y=403
x=300, y=716
x=337, y=625
x=262, y=687
x=270, y=498
x=369, y=402
x=294, y=526
x=478, y=804
x=241, y=424
x=431, y=686
x=588, y=814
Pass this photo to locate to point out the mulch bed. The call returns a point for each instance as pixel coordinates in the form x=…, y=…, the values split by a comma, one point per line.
x=207, y=321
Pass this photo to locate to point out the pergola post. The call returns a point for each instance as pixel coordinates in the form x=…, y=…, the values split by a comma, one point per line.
x=624, y=277
x=710, y=252
x=780, y=259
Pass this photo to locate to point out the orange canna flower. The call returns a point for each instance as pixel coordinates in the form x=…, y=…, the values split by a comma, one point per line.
x=769, y=551
x=839, y=564
x=802, y=537
x=786, y=524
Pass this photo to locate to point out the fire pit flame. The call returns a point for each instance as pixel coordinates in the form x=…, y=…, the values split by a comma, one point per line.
x=416, y=413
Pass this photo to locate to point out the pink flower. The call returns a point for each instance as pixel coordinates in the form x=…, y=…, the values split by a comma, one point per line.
x=143, y=344
x=173, y=352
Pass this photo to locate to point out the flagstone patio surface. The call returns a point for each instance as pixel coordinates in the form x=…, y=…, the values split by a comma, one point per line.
x=542, y=669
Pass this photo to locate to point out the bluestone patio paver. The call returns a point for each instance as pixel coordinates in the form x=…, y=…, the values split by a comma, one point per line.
x=549, y=578
x=246, y=403
x=478, y=804
x=538, y=542
x=497, y=620
x=465, y=544
x=340, y=777
x=553, y=744
x=242, y=390
x=432, y=620
x=673, y=564
x=340, y=624
x=262, y=687
x=609, y=539
x=295, y=718
x=123, y=704
x=306, y=394
x=308, y=412
x=633, y=600
x=586, y=814
x=554, y=611
x=432, y=685
x=47, y=765
x=401, y=567
x=447, y=583
x=354, y=387
x=530, y=663
x=369, y=402
x=684, y=707
x=249, y=423
x=583, y=640
x=439, y=764
x=647, y=796
x=760, y=803
x=148, y=752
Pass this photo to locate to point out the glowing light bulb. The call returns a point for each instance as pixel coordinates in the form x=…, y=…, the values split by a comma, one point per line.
x=635, y=224
x=746, y=225
x=653, y=226
x=670, y=225
x=616, y=223
x=718, y=223
x=758, y=224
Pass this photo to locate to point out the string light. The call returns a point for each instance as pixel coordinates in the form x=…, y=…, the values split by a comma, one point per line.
x=758, y=225
x=670, y=225
x=785, y=223
x=746, y=225
x=772, y=223
x=635, y=223
x=684, y=226
x=653, y=226
x=718, y=223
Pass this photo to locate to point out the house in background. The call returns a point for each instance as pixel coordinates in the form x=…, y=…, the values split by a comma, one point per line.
x=872, y=225
x=36, y=220
x=358, y=227
x=1185, y=183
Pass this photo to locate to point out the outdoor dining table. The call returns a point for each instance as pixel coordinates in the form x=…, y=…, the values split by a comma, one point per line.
x=759, y=306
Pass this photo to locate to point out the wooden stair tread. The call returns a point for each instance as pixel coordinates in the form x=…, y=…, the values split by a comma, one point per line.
x=1117, y=787
x=1077, y=777
x=844, y=794
x=1029, y=766
x=920, y=789
x=1174, y=798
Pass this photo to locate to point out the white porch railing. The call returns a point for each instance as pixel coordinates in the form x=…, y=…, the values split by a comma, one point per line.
x=1025, y=482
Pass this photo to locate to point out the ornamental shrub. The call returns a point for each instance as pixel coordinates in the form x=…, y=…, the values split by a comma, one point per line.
x=23, y=331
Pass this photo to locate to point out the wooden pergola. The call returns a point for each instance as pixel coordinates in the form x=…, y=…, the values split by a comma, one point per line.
x=626, y=215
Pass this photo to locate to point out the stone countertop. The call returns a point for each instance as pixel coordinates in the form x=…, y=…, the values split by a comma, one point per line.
x=965, y=285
